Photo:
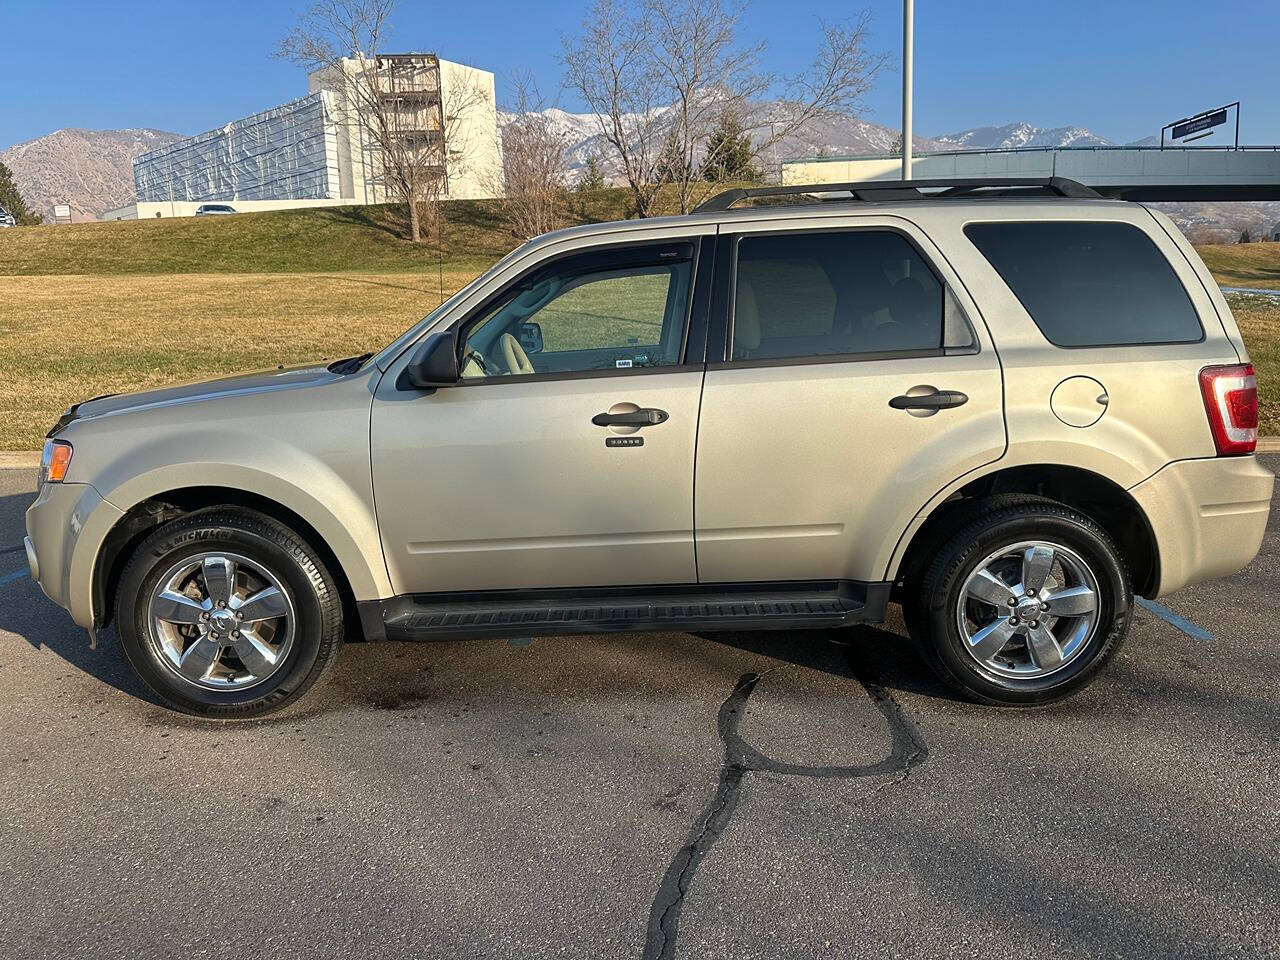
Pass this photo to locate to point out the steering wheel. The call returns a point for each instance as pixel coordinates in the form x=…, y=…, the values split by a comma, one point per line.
x=513, y=355
x=474, y=364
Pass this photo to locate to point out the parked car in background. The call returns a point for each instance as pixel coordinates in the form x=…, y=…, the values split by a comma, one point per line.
x=214, y=209
x=6, y=218
x=1009, y=406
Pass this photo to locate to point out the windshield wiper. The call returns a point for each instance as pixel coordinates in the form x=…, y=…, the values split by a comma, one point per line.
x=350, y=364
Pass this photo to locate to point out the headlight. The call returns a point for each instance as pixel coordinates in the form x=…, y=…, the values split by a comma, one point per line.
x=54, y=461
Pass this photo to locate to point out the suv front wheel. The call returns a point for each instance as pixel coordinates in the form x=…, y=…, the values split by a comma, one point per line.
x=227, y=613
x=1024, y=605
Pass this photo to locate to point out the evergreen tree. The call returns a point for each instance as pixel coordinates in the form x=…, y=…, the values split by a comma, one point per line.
x=12, y=200
x=672, y=165
x=1245, y=236
x=729, y=154
x=592, y=175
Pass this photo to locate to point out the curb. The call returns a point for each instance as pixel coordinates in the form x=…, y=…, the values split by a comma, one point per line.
x=30, y=459
x=19, y=459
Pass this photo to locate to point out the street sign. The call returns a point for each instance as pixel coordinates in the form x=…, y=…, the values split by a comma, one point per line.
x=1207, y=120
x=1203, y=122
x=61, y=213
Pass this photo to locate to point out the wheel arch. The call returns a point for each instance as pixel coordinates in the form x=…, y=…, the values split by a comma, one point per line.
x=354, y=572
x=1091, y=493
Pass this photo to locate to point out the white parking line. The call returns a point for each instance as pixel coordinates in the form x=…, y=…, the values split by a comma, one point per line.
x=1182, y=623
x=10, y=577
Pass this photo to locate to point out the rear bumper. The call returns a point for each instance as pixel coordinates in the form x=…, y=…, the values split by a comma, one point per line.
x=65, y=529
x=1208, y=517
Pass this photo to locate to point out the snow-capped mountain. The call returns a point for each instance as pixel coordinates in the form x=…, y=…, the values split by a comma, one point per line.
x=827, y=136
x=834, y=136
x=1014, y=135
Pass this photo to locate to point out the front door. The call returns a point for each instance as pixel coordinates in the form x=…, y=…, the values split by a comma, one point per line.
x=564, y=458
x=849, y=388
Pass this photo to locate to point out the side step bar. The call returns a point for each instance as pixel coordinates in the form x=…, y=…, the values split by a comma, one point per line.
x=757, y=606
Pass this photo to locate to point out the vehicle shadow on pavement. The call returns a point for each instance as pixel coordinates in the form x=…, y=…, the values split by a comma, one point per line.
x=880, y=653
x=12, y=509
x=27, y=613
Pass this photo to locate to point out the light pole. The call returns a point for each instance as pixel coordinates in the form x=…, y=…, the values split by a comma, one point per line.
x=907, y=55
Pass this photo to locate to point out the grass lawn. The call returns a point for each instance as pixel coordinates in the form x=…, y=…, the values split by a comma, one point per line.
x=284, y=241
x=1259, y=321
x=1243, y=264
x=67, y=338
x=113, y=307
x=364, y=239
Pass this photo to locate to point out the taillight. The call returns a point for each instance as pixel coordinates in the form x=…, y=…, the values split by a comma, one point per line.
x=1231, y=401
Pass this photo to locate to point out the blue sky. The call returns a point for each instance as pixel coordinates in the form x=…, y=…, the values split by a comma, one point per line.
x=1120, y=68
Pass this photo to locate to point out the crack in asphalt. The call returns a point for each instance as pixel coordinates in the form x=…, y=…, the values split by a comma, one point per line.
x=907, y=751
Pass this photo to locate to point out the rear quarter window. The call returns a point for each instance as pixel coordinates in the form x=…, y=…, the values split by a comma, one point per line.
x=1089, y=284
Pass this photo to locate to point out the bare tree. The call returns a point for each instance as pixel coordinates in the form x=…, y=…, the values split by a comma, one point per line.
x=534, y=162
x=404, y=119
x=658, y=75
x=611, y=66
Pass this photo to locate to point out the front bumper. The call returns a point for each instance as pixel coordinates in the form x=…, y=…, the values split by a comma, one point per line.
x=65, y=529
x=1208, y=517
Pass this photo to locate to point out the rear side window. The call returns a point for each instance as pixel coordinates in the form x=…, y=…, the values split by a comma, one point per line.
x=833, y=293
x=1090, y=284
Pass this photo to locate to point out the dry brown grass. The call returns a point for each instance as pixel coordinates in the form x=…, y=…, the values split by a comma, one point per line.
x=66, y=338
x=1243, y=264
x=1259, y=321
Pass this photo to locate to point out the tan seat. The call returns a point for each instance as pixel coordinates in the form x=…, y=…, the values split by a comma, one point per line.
x=513, y=355
x=746, y=320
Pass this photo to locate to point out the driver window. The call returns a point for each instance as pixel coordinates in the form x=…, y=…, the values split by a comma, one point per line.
x=599, y=319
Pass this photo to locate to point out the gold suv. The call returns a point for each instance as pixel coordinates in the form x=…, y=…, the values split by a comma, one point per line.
x=1009, y=406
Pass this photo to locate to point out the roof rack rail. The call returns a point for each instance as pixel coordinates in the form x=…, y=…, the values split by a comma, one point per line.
x=1189, y=192
x=873, y=190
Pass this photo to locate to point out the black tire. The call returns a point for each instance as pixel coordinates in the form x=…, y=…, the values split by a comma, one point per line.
x=308, y=584
x=1003, y=521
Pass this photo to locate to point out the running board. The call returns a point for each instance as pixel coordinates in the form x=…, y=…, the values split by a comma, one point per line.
x=758, y=606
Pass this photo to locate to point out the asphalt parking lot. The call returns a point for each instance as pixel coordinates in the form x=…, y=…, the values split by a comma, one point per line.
x=771, y=795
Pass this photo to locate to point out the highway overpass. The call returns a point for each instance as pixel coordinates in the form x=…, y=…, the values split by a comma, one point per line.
x=1171, y=167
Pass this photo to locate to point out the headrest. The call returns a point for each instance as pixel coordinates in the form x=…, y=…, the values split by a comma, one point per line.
x=746, y=318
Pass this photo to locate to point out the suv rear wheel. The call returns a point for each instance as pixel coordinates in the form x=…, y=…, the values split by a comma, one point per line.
x=1023, y=605
x=227, y=613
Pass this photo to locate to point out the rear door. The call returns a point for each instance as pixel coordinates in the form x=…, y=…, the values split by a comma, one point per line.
x=849, y=379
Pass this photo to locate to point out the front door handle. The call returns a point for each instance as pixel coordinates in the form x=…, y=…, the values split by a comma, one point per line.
x=938, y=400
x=644, y=417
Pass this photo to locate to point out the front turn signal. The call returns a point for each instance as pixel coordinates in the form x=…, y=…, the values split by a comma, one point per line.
x=54, y=461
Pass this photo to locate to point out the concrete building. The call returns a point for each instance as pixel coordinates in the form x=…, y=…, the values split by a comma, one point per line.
x=443, y=109
x=1136, y=166
x=314, y=151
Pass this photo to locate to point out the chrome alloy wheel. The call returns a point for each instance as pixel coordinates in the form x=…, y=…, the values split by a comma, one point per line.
x=221, y=621
x=1028, y=609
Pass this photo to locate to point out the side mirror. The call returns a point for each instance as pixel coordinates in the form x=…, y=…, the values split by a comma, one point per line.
x=435, y=363
x=531, y=337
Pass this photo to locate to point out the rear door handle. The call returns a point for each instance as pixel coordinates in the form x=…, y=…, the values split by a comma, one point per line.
x=644, y=417
x=938, y=400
